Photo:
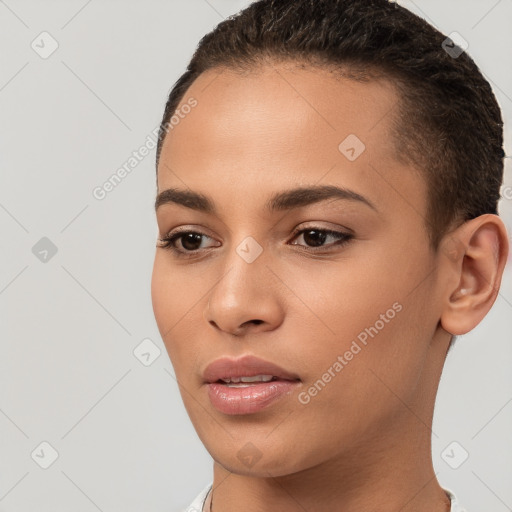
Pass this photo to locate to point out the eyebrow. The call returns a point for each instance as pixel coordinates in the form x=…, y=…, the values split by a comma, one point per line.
x=280, y=201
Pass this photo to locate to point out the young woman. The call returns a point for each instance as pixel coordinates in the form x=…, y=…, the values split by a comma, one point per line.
x=328, y=177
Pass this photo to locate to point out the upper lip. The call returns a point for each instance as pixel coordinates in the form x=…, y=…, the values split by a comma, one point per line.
x=246, y=366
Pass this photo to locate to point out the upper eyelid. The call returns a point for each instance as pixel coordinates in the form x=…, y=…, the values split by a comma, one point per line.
x=200, y=231
x=204, y=231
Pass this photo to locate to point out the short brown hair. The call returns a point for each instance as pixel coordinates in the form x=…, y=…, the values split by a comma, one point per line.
x=450, y=124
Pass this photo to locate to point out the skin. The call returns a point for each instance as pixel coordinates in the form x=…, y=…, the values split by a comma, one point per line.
x=364, y=441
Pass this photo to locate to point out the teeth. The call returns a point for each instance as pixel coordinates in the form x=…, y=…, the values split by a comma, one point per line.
x=256, y=378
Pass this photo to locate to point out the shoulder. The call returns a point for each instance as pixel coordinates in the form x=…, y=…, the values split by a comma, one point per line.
x=197, y=504
x=456, y=506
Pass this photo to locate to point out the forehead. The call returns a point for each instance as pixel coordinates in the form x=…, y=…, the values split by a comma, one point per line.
x=284, y=102
x=285, y=123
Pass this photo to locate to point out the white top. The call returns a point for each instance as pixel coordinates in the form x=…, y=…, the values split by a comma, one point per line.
x=198, y=503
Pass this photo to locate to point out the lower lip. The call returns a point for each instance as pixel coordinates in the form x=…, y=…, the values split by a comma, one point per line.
x=249, y=399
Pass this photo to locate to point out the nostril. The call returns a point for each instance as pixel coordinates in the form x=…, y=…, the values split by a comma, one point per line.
x=246, y=325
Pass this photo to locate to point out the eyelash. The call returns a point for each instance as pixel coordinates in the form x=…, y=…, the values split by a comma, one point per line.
x=169, y=239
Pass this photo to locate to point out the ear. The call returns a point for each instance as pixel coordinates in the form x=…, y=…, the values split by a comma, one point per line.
x=474, y=256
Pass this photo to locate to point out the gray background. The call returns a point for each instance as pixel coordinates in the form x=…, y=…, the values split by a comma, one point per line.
x=70, y=324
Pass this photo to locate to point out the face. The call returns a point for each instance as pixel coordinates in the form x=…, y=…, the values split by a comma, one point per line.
x=341, y=291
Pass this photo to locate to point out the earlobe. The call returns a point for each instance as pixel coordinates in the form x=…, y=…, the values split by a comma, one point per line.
x=474, y=257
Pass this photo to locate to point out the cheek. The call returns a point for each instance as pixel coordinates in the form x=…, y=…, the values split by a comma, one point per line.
x=364, y=321
x=169, y=297
x=173, y=291
x=178, y=299
x=339, y=300
x=161, y=295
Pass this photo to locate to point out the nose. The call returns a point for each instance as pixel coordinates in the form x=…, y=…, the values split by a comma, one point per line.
x=245, y=300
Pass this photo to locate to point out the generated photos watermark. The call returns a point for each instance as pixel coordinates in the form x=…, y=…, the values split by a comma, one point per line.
x=356, y=347
x=100, y=192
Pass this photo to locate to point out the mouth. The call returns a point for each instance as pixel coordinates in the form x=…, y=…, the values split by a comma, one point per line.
x=243, y=382
x=247, y=385
x=247, y=369
x=237, y=398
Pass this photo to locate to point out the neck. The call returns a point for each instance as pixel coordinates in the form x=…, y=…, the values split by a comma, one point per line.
x=388, y=469
x=407, y=484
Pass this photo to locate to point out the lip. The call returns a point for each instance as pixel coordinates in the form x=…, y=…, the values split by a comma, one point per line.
x=246, y=366
x=251, y=398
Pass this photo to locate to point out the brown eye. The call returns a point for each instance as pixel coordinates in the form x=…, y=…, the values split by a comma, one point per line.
x=190, y=242
x=316, y=237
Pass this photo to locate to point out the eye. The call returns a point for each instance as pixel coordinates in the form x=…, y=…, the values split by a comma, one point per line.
x=190, y=242
x=315, y=237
